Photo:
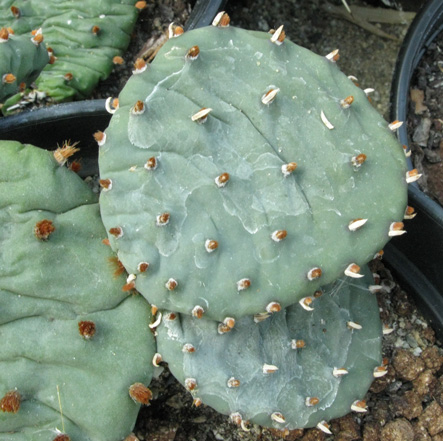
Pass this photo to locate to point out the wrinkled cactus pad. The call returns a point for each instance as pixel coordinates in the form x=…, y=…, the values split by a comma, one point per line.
x=295, y=369
x=83, y=37
x=22, y=57
x=73, y=343
x=241, y=175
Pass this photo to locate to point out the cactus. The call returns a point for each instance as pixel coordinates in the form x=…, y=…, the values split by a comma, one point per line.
x=22, y=57
x=76, y=350
x=83, y=40
x=242, y=172
x=294, y=369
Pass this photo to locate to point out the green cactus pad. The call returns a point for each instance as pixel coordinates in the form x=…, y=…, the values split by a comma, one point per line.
x=56, y=279
x=80, y=52
x=275, y=228
x=22, y=58
x=228, y=371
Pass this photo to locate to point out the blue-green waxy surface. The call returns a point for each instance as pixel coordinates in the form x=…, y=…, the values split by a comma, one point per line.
x=67, y=384
x=22, y=58
x=68, y=31
x=306, y=372
x=250, y=141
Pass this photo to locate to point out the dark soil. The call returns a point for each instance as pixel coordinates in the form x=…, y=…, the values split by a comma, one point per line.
x=406, y=404
x=425, y=120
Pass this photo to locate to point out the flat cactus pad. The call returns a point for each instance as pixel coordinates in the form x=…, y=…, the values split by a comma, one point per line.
x=295, y=369
x=73, y=343
x=240, y=173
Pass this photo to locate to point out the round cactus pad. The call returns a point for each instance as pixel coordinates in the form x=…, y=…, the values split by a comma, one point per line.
x=240, y=173
x=295, y=369
x=72, y=342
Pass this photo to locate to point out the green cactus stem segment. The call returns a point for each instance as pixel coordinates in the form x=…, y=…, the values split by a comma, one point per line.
x=73, y=341
x=291, y=370
x=260, y=114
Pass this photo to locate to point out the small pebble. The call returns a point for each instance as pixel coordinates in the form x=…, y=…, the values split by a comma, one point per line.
x=432, y=418
x=425, y=383
x=407, y=405
x=407, y=366
x=398, y=430
x=432, y=358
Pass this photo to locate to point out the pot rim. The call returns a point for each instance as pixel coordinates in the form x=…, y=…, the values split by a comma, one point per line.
x=427, y=24
x=417, y=258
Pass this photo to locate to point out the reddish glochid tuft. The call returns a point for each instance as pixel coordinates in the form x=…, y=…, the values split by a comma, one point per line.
x=44, y=229
x=10, y=402
x=140, y=393
x=86, y=329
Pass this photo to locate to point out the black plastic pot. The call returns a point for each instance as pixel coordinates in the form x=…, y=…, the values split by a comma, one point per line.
x=77, y=121
x=417, y=257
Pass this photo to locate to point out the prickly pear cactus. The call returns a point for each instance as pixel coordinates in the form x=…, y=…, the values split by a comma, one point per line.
x=296, y=368
x=83, y=39
x=242, y=172
x=22, y=57
x=75, y=347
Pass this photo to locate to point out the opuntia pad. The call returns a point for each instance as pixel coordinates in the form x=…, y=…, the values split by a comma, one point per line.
x=294, y=369
x=253, y=199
